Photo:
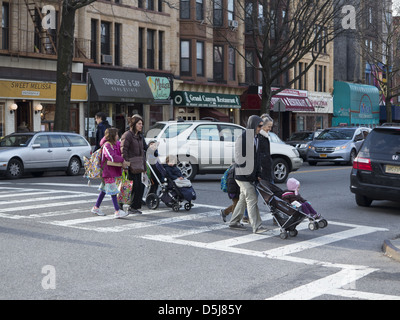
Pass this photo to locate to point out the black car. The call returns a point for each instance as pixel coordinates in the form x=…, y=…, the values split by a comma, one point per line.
x=376, y=169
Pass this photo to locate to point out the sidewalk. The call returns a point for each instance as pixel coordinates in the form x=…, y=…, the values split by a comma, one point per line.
x=391, y=248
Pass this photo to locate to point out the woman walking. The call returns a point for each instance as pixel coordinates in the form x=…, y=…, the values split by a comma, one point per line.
x=110, y=152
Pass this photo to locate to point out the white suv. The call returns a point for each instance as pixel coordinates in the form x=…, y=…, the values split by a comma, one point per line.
x=208, y=147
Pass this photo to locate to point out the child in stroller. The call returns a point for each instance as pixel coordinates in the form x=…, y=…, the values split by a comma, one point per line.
x=287, y=216
x=172, y=194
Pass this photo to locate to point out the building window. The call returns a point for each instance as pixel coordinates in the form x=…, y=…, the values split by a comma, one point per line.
x=231, y=10
x=199, y=10
x=160, y=50
x=140, y=40
x=218, y=20
x=320, y=78
x=249, y=67
x=105, y=38
x=184, y=9
x=5, y=26
x=93, y=42
x=200, y=58
x=218, y=62
x=117, y=45
x=150, y=49
x=160, y=4
x=231, y=64
x=185, y=58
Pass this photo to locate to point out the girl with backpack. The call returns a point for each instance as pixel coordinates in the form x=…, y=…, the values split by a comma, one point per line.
x=229, y=185
x=111, y=153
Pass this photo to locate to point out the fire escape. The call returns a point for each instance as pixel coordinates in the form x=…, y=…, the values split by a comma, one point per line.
x=45, y=42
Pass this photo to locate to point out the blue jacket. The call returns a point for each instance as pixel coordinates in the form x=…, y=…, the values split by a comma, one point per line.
x=101, y=129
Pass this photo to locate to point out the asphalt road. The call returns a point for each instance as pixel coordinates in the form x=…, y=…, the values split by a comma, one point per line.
x=52, y=247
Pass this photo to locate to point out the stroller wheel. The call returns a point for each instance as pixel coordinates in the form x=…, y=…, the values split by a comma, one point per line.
x=293, y=233
x=152, y=201
x=313, y=226
x=322, y=223
x=283, y=235
x=188, y=206
x=176, y=207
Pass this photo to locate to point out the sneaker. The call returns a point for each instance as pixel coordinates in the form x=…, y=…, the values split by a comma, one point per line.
x=238, y=226
x=245, y=220
x=120, y=214
x=261, y=230
x=223, y=215
x=97, y=211
x=134, y=211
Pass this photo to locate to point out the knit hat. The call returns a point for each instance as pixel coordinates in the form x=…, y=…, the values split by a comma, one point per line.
x=293, y=185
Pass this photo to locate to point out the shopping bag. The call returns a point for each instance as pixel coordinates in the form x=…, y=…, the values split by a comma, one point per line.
x=125, y=189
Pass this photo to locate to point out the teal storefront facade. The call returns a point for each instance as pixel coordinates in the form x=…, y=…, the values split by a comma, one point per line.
x=355, y=104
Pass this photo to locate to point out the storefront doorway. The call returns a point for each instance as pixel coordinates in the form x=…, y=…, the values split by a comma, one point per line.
x=23, y=116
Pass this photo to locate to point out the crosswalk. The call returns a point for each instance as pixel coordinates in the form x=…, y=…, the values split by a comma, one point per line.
x=201, y=227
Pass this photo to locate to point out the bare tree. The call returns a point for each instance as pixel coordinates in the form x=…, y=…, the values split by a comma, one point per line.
x=379, y=43
x=64, y=62
x=283, y=32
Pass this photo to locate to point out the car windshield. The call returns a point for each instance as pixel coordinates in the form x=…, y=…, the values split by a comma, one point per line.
x=175, y=130
x=301, y=136
x=15, y=141
x=336, y=134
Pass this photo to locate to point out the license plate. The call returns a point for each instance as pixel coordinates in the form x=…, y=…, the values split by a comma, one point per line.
x=323, y=155
x=392, y=169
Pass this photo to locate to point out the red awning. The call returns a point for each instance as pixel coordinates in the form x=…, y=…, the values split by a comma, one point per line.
x=293, y=103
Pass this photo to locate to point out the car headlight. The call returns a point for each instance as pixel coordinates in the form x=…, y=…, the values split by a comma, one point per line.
x=296, y=152
x=311, y=147
x=341, y=148
x=303, y=146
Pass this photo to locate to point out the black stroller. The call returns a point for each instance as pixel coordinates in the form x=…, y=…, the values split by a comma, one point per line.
x=286, y=216
x=170, y=194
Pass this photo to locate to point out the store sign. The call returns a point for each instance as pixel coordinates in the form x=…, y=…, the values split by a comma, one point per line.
x=203, y=99
x=38, y=90
x=160, y=87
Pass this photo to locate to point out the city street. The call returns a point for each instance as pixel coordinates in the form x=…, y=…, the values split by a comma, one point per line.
x=54, y=248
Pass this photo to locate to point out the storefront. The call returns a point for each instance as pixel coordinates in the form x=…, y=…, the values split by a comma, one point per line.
x=30, y=106
x=119, y=94
x=355, y=104
x=285, y=107
x=191, y=105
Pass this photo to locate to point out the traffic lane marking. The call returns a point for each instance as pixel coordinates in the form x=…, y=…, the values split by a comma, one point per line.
x=319, y=170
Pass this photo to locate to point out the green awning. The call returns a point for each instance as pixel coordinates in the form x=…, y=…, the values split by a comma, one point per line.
x=205, y=99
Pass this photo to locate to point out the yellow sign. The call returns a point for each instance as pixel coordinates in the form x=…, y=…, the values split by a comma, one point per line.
x=38, y=90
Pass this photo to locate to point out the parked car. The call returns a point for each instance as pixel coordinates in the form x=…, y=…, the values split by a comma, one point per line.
x=301, y=139
x=38, y=152
x=336, y=145
x=376, y=169
x=208, y=147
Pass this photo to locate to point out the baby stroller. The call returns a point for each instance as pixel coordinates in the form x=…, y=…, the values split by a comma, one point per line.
x=286, y=216
x=170, y=194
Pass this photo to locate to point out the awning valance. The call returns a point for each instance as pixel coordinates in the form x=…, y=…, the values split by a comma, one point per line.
x=205, y=99
x=293, y=103
x=119, y=86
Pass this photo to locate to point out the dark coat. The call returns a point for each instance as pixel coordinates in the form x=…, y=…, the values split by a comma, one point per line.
x=173, y=171
x=232, y=187
x=100, y=132
x=265, y=158
x=247, y=166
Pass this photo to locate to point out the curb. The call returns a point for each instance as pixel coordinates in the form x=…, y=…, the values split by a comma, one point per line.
x=391, y=250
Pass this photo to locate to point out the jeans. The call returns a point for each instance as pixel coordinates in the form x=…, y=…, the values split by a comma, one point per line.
x=248, y=197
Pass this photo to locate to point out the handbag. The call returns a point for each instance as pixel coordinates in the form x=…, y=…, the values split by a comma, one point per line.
x=125, y=189
x=137, y=164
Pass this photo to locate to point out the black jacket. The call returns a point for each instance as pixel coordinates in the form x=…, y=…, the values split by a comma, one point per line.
x=101, y=129
x=265, y=158
x=248, y=158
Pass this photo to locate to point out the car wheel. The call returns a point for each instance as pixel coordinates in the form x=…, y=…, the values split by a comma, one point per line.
x=363, y=201
x=15, y=169
x=353, y=155
x=74, y=167
x=188, y=169
x=280, y=170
